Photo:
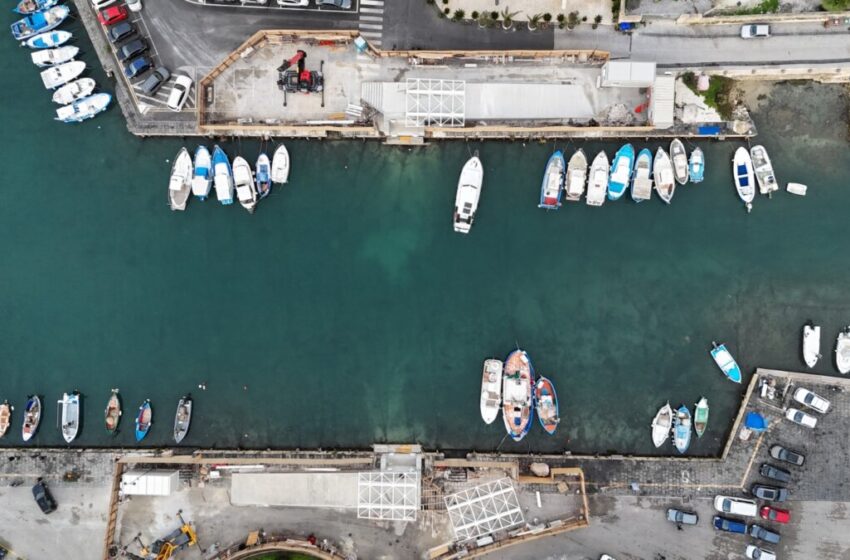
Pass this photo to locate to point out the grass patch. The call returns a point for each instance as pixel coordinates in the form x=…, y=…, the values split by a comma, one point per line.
x=718, y=95
x=835, y=5
x=764, y=7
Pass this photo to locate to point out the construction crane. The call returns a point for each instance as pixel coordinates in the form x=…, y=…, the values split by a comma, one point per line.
x=301, y=80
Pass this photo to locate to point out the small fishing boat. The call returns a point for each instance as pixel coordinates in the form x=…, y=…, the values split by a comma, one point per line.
x=56, y=76
x=724, y=360
x=51, y=57
x=661, y=425
x=180, y=181
x=112, y=415
x=811, y=344
x=32, y=417
x=39, y=22
x=842, y=351
x=763, y=169
x=182, y=418
x=143, y=420
x=662, y=173
x=263, y=170
x=83, y=109
x=222, y=176
x=576, y=176
x=468, y=194
x=742, y=170
x=696, y=166
x=553, y=182
x=597, y=183
x=69, y=415
x=517, y=394
x=244, y=181
x=682, y=429
x=280, y=165
x=621, y=172
x=25, y=7
x=546, y=401
x=642, y=181
x=491, y=390
x=202, y=174
x=797, y=188
x=5, y=418
x=73, y=91
x=49, y=39
x=701, y=415
x=680, y=161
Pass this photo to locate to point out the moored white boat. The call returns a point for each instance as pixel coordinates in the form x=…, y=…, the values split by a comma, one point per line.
x=517, y=394
x=679, y=157
x=202, y=173
x=724, y=360
x=742, y=171
x=576, y=176
x=491, y=390
x=696, y=166
x=39, y=22
x=797, y=188
x=222, y=176
x=74, y=90
x=597, y=182
x=182, y=418
x=682, y=429
x=763, y=170
x=52, y=57
x=244, y=181
x=842, y=351
x=49, y=39
x=621, y=172
x=56, y=76
x=661, y=425
x=468, y=194
x=642, y=181
x=662, y=173
x=280, y=165
x=84, y=108
x=811, y=344
x=262, y=172
x=180, y=181
x=552, y=186
x=32, y=417
x=31, y=6
x=69, y=415
x=5, y=417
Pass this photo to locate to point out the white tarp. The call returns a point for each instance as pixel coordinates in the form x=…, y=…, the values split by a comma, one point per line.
x=315, y=490
x=149, y=483
x=526, y=101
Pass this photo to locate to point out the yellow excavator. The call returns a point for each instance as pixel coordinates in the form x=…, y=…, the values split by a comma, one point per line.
x=166, y=547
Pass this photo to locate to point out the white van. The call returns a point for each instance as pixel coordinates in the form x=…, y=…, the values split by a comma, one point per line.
x=755, y=31
x=736, y=506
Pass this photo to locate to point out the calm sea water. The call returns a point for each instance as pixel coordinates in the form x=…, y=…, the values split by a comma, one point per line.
x=347, y=312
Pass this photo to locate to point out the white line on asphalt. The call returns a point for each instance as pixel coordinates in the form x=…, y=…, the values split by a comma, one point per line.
x=371, y=3
x=372, y=11
x=371, y=26
x=371, y=18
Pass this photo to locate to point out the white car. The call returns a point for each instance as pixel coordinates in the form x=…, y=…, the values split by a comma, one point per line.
x=98, y=4
x=736, y=506
x=134, y=5
x=755, y=31
x=757, y=553
x=179, y=93
x=801, y=418
x=294, y=3
x=813, y=401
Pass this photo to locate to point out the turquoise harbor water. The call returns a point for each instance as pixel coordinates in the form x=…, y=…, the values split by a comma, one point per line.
x=347, y=312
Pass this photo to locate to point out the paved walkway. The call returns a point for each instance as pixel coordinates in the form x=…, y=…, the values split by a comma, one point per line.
x=525, y=9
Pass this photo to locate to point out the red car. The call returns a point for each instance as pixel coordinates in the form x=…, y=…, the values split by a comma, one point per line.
x=775, y=514
x=112, y=14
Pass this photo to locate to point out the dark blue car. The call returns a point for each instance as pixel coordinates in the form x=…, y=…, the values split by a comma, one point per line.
x=137, y=67
x=729, y=525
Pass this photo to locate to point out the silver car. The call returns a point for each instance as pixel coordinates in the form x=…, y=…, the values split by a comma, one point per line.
x=680, y=517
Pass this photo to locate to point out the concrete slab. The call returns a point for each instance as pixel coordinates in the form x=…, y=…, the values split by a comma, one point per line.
x=317, y=490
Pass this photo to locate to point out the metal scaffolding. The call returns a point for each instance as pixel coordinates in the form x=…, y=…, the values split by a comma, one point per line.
x=484, y=509
x=435, y=102
x=388, y=495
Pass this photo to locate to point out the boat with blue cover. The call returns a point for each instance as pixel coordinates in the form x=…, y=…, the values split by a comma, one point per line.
x=202, y=174
x=696, y=166
x=621, y=172
x=724, y=360
x=553, y=182
x=49, y=40
x=262, y=174
x=222, y=176
x=39, y=22
x=25, y=7
x=682, y=429
x=83, y=109
x=143, y=420
x=546, y=403
x=642, y=179
x=742, y=171
x=518, y=394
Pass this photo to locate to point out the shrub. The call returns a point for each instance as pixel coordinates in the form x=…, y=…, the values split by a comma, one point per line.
x=494, y=16
x=572, y=20
x=475, y=14
x=447, y=11
x=561, y=18
x=445, y=1
x=547, y=17
x=835, y=5
x=458, y=15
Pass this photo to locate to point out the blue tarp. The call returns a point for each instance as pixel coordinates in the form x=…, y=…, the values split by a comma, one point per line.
x=713, y=129
x=755, y=422
x=627, y=26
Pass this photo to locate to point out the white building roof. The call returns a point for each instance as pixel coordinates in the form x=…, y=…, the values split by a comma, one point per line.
x=149, y=483
x=526, y=101
x=484, y=509
x=392, y=496
x=623, y=73
x=663, y=100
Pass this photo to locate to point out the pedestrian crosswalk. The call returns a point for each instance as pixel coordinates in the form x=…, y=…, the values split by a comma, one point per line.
x=371, y=22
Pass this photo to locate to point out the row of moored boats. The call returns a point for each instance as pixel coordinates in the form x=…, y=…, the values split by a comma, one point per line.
x=37, y=30
x=198, y=177
x=70, y=416
x=811, y=347
x=679, y=424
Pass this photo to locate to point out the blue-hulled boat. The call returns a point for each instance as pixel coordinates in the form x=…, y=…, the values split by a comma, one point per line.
x=553, y=182
x=621, y=172
x=546, y=401
x=696, y=166
x=518, y=394
x=25, y=7
x=143, y=420
x=49, y=40
x=222, y=176
x=642, y=179
x=724, y=360
x=39, y=22
x=682, y=429
x=263, y=176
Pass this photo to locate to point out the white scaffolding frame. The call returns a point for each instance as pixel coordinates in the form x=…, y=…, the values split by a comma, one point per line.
x=435, y=102
x=392, y=496
x=484, y=509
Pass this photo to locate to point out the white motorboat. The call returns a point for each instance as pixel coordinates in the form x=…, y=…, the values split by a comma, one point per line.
x=661, y=425
x=742, y=171
x=246, y=191
x=202, y=175
x=662, y=173
x=468, y=194
x=680, y=161
x=763, y=170
x=70, y=415
x=491, y=390
x=642, y=181
x=597, y=183
x=84, y=108
x=842, y=351
x=797, y=188
x=180, y=182
x=576, y=176
x=811, y=344
x=56, y=76
x=280, y=165
x=52, y=57
x=72, y=91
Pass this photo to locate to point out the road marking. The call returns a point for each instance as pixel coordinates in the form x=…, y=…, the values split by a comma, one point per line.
x=379, y=19
x=372, y=3
x=371, y=23
x=375, y=26
x=372, y=11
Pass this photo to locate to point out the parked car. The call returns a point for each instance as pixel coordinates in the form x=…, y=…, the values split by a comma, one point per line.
x=112, y=14
x=736, y=506
x=606, y=557
x=179, y=92
x=343, y=4
x=801, y=418
x=134, y=5
x=757, y=553
x=769, y=493
x=98, y=4
x=132, y=49
x=765, y=535
x=137, y=67
x=784, y=454
x=755, y=31
x=153, y=82
x=3, y=552
x=769, y=471
x=121, y=31
x=775, y=514
x=43, y=497
x=729, y=525
x=294, y=3
x=813, y=401
x=678, y=516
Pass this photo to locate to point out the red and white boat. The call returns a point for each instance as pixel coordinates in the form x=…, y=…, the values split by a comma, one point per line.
x=517, y=398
